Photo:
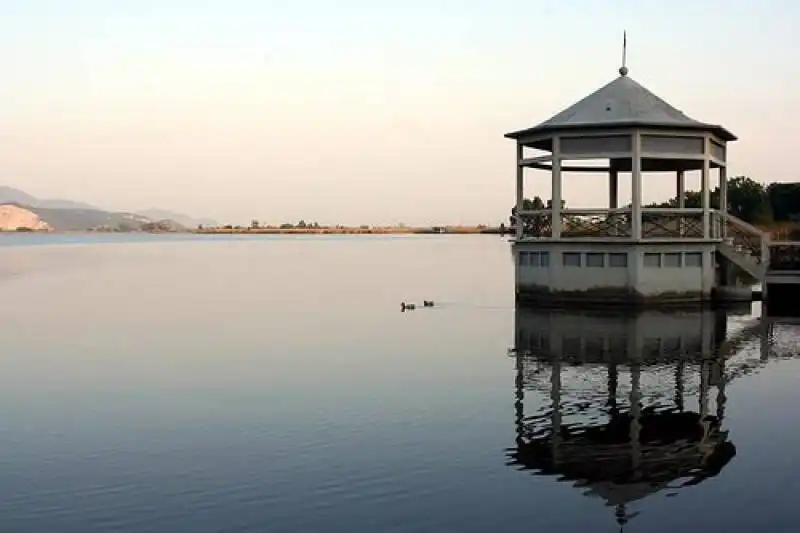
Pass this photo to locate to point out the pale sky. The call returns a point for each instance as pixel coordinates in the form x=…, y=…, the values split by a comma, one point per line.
x=364, y=111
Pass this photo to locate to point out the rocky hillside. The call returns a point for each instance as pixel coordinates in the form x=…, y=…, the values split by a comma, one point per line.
x=15, y=218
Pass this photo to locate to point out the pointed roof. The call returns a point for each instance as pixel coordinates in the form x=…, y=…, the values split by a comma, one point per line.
x=622, y=103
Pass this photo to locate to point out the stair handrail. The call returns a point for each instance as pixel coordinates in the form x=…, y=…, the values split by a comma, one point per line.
x=762, y=236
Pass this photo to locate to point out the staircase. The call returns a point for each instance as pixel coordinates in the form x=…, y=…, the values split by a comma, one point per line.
x=744, y=246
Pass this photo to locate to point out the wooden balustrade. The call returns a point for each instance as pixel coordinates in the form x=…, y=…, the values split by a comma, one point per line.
x=672, y=224
x=614, y=223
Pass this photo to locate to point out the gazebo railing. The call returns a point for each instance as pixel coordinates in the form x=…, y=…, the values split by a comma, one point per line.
x=672, y=223
x=536, y=224
x=608, y=224
x=784, y=256
x=615, y=224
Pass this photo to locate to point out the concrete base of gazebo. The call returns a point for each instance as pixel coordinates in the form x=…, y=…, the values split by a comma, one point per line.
x=607, y=272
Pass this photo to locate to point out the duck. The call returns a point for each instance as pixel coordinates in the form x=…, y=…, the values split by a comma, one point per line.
x=407, y=307
x=427, y=303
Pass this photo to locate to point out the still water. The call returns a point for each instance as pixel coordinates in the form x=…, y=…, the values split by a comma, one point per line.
x=261, y=384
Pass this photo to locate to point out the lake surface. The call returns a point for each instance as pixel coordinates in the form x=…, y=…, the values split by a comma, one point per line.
x=224, y=384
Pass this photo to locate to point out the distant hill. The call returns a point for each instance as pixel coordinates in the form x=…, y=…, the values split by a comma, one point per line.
x=89, y=219
x=180, y=218
x=10, y=195
x=69, y=215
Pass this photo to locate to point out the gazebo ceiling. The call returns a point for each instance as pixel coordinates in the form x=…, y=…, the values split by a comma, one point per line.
x=622, y=103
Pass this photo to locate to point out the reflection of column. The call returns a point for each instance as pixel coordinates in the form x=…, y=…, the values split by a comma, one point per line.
x=766, y=333
x=555, y=397
x=636, y=413
x=519, y=396
x=613, y=379
x=721, y=398
x=704, y=379
x=679, y=368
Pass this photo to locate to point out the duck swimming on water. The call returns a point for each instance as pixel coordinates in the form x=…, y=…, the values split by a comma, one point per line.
x=427, y=303
x=407, y=307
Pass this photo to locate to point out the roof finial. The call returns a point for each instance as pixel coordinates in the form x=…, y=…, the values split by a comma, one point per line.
x=623, y=70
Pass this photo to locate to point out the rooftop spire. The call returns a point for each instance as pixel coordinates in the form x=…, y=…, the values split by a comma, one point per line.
x=623, y=70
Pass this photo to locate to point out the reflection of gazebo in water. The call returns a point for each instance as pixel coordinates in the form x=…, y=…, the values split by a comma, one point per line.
x=622, y=450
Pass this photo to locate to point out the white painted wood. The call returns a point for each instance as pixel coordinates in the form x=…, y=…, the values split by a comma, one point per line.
x=530, y=161
x=520, y=189
x=636, y=187
x=570, y=168
x=705, y=192
x=672, y=155
x=556, y=196
x=723, y=200
x=613, y=189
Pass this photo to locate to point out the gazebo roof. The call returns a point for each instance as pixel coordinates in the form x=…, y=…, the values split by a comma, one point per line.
x=622, y=103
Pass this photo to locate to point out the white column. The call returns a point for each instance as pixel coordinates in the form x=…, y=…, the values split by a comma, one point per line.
x=705, y=192
x=680, y=194
x=723, y=200
x=520, y=189
x=636, y=187
x=556, y=195
x=613, y=189
x=613, y=198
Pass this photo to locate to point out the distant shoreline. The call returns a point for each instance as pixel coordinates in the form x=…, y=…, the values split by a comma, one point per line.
x=436, y=230
x=444, y=230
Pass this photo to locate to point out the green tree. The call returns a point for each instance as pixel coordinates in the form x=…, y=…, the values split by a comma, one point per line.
x=537, y=224
x=747, y=199
x=784, y=201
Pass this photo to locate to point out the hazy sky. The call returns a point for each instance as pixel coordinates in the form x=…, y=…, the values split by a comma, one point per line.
x=369, y=111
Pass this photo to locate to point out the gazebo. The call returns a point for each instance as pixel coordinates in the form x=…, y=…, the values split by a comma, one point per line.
x=628, y=254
